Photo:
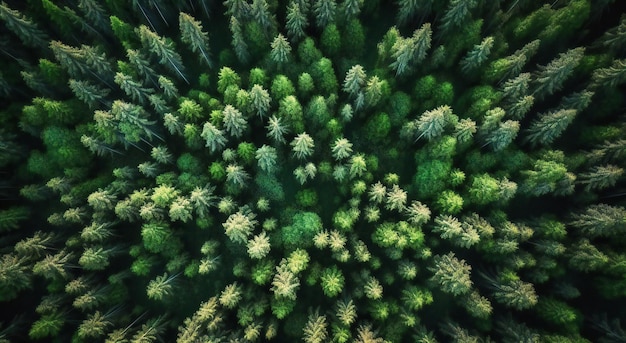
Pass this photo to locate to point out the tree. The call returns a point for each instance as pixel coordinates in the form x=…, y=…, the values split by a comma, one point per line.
x=585, y=257
x=282, y=87
x=515, y=293
x=259, y=246
x=161, y=287
x=23, y=27
x=163, y=49
x=296, y=21
x=234, y=121
x=452, y=274
x=415, y=298
x=49, y=325
x=303, y=228
x=180, y=209
x=315, y=330
x=132, y=88
x=239, y=225
x=324, y=11
x=396, y=199
x=88, y=93
x=457, y=14
x=192, y=34
x=355, y=80
x=281, y=50
x=230, y=296
x=96, y=258
x=156, y=236
x=600, y=220
x=551, y=77
x=341, y=149
x=214, y=137
x=285, y=284
x=612, y=76
x=432, y=123
x=261, y=14
x=267, y=158
x=332, y=281
x=260, y=99
x=477, y=56
x=601, y=177
x=302, y=146
x=236, y=175
x=276, y=130
x=549, y=126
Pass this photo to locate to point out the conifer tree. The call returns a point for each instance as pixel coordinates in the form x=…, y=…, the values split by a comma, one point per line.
x=477, y=56
x=163, y=49
x=192, y=34
x=324, y=11
x=23, y=27
x=551, y=77
x=549, y=126
x=281, y=50
x=296, y=21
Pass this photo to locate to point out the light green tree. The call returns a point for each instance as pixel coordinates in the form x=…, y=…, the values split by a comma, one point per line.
x=234, y=121
x=281, y=50
x=451, y=274
x=163, y=49
x=239, y=225
x=192, y=34
x=302, y=146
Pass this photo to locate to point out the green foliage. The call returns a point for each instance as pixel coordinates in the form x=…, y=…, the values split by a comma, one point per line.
x=304, y=226
x=473, y=155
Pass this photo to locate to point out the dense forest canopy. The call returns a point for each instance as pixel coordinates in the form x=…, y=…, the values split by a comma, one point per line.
x=323, y=170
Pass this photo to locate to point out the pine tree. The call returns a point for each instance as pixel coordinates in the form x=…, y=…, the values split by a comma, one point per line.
x=276, y=130
x=457, y=14
x=432, y=123
x=612, y=76
x=192, y=34
x=324, y=11
x=504, y=135
x=163, y=49
x=260, y=99
x=23, y=27
x=259, y=10
x=601, y=177
x=234, y=121
x=89, y=93
x=302, y=146
x=549, y=126
x=239, y=45
x=161, y=287
x=267, y=158
x=315, y=330
x=551, y=77
x=341, y=149
x=477, y=56
x=296, y=22
x=281, y=50
x=452, y=274
x=355, y=80
x=600, y=220
x=132, y=88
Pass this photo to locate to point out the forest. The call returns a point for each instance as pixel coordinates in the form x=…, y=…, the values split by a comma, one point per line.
x=425, y=171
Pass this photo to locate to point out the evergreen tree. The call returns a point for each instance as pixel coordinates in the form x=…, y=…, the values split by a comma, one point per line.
x=296, y=21
x=163, y=49
x=324, y=11
x=302, y=146
x=452, y=274
x=600, y=220
x=612, y=76
x=551, y=77
x=477, y=56
x=281, y=50
x=192, y=33
x=549, y=126
x=260, y=99
x=457, y=14
x=23, y=27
